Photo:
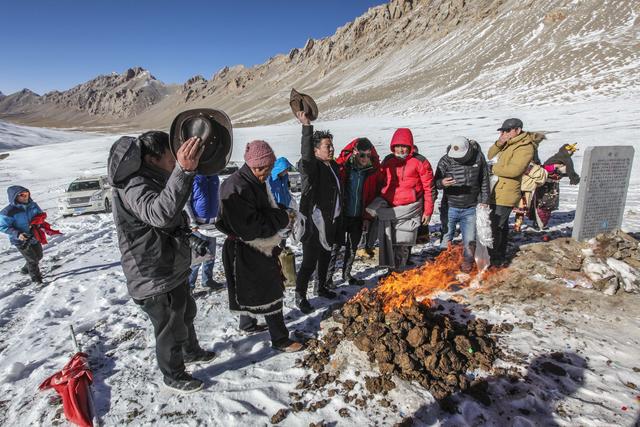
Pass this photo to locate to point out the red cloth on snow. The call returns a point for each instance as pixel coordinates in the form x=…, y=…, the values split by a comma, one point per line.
x=72, y=384
x=40, y=228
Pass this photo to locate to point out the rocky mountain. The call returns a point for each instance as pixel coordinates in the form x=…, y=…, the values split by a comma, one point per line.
x=19, y=102
x=104, y=100
x=120, y=95
x=403, y=57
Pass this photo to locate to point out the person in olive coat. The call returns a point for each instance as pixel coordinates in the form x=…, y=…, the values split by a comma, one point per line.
x=515, y=149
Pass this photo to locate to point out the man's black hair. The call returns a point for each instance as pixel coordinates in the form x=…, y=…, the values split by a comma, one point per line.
x=319, y=135
x=363, y=144
x=154, y=143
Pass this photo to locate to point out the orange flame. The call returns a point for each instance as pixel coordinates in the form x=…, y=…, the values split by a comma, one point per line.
x=422, y=283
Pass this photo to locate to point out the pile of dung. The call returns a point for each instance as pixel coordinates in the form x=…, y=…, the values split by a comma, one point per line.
x=419, y=343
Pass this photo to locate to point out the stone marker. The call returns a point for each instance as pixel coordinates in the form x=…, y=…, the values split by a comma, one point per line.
x=603, y=190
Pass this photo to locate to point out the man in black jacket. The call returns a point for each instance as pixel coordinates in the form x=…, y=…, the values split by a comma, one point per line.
x=321, y=204
x=150, y=191
x=463, y=174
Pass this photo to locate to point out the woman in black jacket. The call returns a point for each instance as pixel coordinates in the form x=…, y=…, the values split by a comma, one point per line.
x=251, y=219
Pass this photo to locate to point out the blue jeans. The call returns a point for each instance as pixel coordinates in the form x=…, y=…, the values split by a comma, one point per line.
x=466, y=217
x=207, y=266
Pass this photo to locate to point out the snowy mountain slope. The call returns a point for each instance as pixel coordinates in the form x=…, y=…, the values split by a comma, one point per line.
x=14, y=136
x=401, y=58
x=248, y=382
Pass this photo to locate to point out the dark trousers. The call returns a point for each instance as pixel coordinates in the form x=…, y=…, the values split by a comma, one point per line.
x=401, y=254
x=500, y=230
x=275, y=322
x=353, y=228
x=172, y=315
x=32, y=253
x=314, y=256
x=353, y=234
x=444, y=215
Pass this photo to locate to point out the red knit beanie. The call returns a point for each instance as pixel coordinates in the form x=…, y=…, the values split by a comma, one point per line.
x=259, y=154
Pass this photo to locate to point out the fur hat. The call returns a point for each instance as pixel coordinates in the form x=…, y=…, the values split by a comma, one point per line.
x=259, y=154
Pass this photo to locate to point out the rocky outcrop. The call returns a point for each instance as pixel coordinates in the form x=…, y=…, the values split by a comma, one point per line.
x=192, y=87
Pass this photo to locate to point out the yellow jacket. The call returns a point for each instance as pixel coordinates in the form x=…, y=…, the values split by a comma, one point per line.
x=513, y=160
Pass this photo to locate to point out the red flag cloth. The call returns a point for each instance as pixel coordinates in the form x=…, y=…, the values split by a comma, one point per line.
x=72, y=384
x=40, y=228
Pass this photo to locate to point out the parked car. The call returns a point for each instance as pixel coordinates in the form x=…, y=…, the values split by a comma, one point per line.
x=295, y=182
x=86, y=194
x=229, y=169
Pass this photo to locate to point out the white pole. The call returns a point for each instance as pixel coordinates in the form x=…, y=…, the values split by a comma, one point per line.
x=73, y=337
x=92, y=408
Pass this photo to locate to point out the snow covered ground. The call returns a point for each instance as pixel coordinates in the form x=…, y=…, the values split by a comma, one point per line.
x=13, y=136
x=249, y=382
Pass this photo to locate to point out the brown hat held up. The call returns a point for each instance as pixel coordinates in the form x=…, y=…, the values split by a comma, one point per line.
x=302, y=102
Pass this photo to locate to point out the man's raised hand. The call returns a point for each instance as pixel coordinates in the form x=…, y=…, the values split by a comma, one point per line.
x=188, y=155
x=302, y=118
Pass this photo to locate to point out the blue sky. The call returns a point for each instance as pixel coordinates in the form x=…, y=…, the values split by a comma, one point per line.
x=54, y=45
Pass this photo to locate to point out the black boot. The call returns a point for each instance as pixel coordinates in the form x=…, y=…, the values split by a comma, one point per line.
x=303, y=304
x=346, y=274
x=326, y=293
x=200, y=355
x=183, y=383
x=331, y=268
x=24, y=269
x=353, y=281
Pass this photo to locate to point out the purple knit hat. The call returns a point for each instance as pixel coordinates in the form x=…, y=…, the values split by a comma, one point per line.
x=259, y=154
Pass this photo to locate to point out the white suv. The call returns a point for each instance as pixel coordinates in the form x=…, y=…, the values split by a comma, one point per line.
x=86, y=194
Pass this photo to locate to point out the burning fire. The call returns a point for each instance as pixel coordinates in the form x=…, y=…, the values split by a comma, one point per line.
x=422, y=283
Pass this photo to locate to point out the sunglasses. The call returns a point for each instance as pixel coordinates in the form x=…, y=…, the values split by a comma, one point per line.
x=364, y=155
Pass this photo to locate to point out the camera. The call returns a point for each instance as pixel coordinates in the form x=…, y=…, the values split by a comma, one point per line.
x=196, y=244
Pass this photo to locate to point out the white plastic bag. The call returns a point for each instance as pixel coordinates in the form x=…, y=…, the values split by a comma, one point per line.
x=316, y=216
x=484, y=239
x=298, y=229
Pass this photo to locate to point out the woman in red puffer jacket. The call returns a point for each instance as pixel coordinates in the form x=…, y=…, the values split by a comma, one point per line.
x=405, y=176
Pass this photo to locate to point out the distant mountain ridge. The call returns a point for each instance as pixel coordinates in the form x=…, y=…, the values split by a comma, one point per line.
x=402, y=57
x=120, y=95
